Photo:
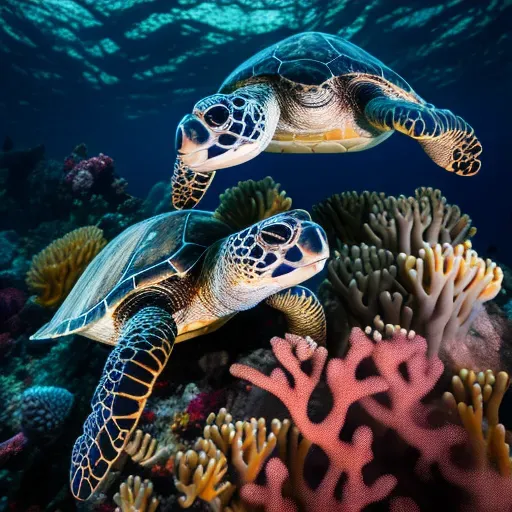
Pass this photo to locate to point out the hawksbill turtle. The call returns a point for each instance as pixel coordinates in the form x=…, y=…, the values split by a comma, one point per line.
x=311, y=93
x=167, y=279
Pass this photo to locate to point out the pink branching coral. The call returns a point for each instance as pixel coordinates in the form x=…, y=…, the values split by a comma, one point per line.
x=407, y=376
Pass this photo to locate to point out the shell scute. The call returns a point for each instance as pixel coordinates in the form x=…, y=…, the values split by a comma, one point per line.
x=310, y=58
x=306, y=71
x=310, y=45
x=150, y=251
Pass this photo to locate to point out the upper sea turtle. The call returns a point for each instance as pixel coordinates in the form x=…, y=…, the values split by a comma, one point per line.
x=311, y=93
x=169, y=278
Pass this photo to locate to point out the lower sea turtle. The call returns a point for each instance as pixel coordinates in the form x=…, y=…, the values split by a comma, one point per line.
x=170, y=278
x=311, y=93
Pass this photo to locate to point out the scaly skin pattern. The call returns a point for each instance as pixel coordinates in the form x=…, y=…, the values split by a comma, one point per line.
x=188, y=187
x=445, y=137
x=145, y=344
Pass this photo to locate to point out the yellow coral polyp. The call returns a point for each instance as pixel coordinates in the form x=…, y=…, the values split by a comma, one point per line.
x=477, y=279
x=476, y=396
x=56, y=269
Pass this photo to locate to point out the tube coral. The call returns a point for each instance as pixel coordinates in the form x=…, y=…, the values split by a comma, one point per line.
x=476, y=397
x=438, y=293
x=55, y=270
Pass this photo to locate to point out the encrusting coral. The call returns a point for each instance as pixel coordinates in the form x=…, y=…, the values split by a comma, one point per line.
x=55, y=270
x=251, y=201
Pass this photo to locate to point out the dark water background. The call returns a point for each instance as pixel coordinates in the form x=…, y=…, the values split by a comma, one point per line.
x=455, y=54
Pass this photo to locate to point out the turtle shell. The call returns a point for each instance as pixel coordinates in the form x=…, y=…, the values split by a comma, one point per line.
x=148, y=252
x=310, y=58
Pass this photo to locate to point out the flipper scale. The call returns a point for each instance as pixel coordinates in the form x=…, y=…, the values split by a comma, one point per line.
x=188, y=187
x=127, y=381
x=445, y=137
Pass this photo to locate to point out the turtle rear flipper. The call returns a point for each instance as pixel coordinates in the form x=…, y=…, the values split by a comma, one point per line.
x=144, y=346
x=445, y=137
x=188, y=187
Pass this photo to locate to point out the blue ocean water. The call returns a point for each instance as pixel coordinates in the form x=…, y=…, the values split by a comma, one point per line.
x=120, y=75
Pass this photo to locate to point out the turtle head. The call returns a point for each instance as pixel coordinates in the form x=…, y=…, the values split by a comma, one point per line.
x=223, y=130
x=272, y=255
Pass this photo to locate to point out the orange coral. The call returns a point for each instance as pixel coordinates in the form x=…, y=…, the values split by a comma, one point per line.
x=56, y=269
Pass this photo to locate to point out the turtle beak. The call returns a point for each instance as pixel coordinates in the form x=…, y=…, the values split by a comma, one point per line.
x=191, y=135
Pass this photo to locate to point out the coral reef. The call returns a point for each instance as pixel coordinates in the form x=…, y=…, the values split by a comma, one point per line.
x=411, y=264
x=376, y=425
x=135, y=496
x=43, y=412
x=56, y=268
x=251, y=201
x=399, y=225
x=405, y=413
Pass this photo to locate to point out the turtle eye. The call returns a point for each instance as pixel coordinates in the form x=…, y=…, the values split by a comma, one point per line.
x=238, y=102
x=277, y=234
x=216, y=116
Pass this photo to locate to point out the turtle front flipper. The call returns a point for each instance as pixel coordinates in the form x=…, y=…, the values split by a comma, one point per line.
x=304, y=313
x=188, y=187
x=445, y=137
x=143, y=348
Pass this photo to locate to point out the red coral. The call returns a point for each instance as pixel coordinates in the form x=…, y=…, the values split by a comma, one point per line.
x=148, y=417
x=270, y=495
x=346, y=457
x=200, y=407
x=95, y=165
x=86, y=174
x=12, y=448
x=407, y=375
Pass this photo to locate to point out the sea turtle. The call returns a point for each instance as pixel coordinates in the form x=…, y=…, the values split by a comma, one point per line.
x=170, y=278
x=311, y=93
